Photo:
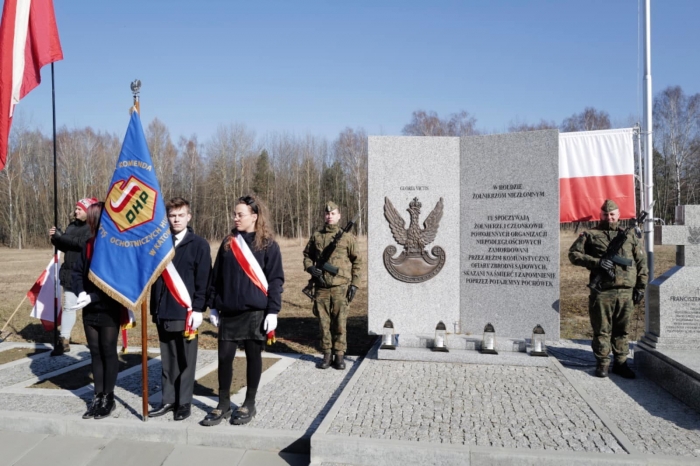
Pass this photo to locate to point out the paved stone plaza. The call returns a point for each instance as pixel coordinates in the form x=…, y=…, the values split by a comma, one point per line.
x=389, y=412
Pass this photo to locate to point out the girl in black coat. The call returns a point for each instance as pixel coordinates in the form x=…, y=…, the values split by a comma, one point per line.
x=245, y=296
x=101, y=319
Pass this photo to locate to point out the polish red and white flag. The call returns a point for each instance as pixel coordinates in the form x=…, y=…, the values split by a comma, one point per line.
x=28, y=41
x=595, y=166
x=42, y=293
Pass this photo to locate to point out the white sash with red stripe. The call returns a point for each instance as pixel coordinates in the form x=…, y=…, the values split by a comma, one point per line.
x=248, y=263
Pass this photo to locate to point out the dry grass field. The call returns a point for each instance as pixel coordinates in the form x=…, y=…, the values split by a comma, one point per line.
x=573, y=303
x=298, y=328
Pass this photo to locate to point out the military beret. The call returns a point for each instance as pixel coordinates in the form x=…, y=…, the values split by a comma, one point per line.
x=609, y=206
x=330, y=206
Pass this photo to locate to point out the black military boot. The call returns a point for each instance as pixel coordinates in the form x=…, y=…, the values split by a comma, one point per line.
x=601, y=370
x=623, y=370
x=339, y=362
x=326, y=362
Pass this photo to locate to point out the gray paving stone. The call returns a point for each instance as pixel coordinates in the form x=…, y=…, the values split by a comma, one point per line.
x=127, y=452
x=36, y=367
x=258, y=458
x=470, y=405
x=654, y=421
x=14, y=445
x=188, y=455
x=63, y=451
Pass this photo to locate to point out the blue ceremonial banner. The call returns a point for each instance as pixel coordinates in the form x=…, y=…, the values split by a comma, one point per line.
x=133, y=244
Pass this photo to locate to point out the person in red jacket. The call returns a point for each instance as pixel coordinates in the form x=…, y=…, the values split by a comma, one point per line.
x=245, y=296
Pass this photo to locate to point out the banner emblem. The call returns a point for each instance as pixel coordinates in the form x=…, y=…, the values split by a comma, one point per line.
x=131, y=203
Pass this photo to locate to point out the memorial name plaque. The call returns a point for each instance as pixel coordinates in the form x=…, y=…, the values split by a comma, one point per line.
x=673, y=320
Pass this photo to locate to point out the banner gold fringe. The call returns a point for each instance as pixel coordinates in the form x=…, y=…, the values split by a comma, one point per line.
x=123, y=300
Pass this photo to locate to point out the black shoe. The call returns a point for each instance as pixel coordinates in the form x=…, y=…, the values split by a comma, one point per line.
x=106, y=407
x=60, y=348
x=94, y=405
x=183, y=412
x=339, y=362
x=623, y=370
x=326, y=362
x=215, y=417
x=163, y=409
x=601, y=370
x=243, y=415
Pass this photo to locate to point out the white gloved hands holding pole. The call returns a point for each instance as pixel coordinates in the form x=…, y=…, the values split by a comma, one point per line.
x=195, y=320
x=82, y=301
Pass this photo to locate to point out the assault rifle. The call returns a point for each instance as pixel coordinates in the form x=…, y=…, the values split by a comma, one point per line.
x=322, y=262
x=611, y=254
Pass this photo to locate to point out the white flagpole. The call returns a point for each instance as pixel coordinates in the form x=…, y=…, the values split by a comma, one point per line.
x=648, y=158
x=648, y=147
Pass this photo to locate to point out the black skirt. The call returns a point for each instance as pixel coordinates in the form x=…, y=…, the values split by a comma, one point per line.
x=102, y=317
x=246, y=325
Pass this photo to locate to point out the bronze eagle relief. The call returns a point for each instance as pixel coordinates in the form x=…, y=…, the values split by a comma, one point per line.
x=414, y=264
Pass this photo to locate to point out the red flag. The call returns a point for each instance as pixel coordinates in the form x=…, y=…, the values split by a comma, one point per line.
x=28, y=41
x=595, y=166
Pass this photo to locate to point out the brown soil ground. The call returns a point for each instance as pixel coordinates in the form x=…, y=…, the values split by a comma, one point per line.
x=209, y=384
x=82, y=376
x=297, y=329
x=18, y=353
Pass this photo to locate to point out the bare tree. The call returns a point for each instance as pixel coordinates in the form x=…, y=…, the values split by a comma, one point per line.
x=677, y=131
x=520, y=127
x=352, y=152
x=588, y=120
x=430, y=124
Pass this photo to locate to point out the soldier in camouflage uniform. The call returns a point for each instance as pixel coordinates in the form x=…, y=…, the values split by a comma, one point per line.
x=333, y=293
x=610, y=309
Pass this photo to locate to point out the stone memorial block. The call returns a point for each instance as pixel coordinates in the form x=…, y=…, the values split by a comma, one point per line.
x=510, y=233
x=673, y=320
x=413, y=233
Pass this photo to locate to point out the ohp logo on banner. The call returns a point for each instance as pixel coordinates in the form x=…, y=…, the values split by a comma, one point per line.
x=131, y=203
x=134, y=244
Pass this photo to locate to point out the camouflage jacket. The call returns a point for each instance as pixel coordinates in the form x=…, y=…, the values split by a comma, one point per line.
x=346, y=256
x=591, y=246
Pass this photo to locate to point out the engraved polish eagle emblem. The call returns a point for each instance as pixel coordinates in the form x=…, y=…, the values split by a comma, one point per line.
x=414, y=264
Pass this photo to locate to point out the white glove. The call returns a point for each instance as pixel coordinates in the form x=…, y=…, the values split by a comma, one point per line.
x=214, y=317
x=270, y=323
x=83, y=300
x=195, y=320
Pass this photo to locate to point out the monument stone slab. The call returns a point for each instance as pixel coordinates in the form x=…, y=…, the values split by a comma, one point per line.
x=673, y=320
x=669, y=351
x=510, y=233
x=414, y=241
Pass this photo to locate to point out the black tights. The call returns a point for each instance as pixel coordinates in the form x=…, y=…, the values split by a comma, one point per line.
x=253, y=356
x=102, y=342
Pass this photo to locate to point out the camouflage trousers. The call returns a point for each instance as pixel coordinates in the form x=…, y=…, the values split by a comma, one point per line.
x=610, y=312
x=331, y=308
